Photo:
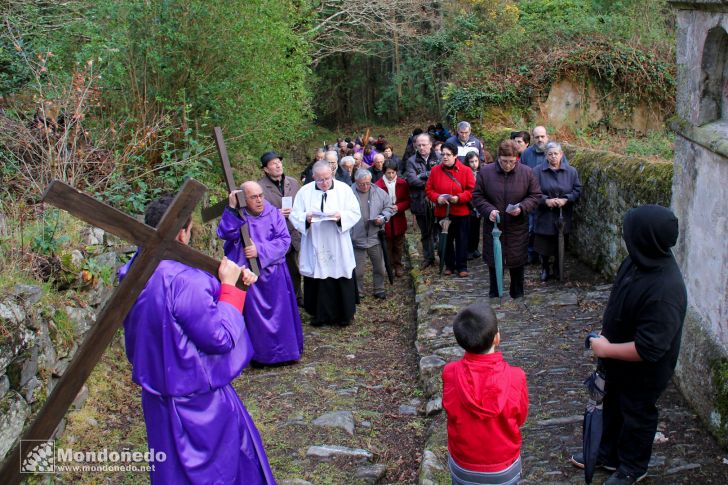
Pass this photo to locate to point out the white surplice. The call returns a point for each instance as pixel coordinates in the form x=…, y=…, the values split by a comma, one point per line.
x=326, y=249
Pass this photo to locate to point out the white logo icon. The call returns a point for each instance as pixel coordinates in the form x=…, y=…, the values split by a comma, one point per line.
x=40, y=458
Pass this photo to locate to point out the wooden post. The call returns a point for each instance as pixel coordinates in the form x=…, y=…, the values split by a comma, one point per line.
x=216, y=210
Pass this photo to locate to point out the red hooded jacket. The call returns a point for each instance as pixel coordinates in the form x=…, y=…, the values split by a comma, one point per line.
x=486, y=401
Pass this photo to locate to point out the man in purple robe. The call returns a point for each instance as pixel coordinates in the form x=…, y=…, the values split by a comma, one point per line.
x=272, y=314
x=186, y=340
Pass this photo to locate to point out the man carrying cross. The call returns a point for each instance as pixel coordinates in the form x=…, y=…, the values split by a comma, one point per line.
x=186, y=340
x=324, y=212
x=271, y=314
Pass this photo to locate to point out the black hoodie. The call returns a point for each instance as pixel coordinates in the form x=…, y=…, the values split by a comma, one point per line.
x=648, y=301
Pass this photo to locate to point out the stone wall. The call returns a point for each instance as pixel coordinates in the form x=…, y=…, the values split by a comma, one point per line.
x=612, y=184
x=40, y=335
x=700, y=200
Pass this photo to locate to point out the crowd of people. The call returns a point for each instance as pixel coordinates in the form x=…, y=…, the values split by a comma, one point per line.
x=530, y=189
x=189, y=335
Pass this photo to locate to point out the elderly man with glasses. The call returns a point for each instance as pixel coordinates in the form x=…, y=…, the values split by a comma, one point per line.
x=324, y=212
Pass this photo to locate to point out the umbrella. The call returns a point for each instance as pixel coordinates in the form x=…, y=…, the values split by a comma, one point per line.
x=560, y=227
x=593, y=418
x=498, y=255
x=442, y=242
x=385, y=255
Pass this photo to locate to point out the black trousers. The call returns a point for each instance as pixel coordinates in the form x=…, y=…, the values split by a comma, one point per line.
x=426, y=223
x=456, y=247
x=516, y=289
x=474, y=233
x=630, y=423
x=330, y=300
x=292, y=262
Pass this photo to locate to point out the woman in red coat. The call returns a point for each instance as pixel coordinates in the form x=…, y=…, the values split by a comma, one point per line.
x=395, y=229
x=451, y=184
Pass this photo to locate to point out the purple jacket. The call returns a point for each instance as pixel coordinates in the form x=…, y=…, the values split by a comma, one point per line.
x=271, y=310
x=185, y=348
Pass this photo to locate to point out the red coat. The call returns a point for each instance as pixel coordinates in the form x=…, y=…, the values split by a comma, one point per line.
x=439, y=183
x=486, y=401
x=397, y=224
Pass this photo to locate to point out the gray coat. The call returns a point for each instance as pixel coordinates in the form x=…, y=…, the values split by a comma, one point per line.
x=377, y=203
x=273, y=195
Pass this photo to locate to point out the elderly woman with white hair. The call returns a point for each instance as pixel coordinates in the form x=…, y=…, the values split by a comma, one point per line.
x=560, y=189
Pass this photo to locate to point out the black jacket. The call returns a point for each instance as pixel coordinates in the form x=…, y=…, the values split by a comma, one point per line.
x=416, y=175
x=648, y=301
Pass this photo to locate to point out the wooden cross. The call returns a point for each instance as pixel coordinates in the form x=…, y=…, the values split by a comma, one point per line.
x=154, y=246
x=217, y=209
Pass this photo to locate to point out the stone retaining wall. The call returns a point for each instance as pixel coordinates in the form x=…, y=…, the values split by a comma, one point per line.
x=612, y=184
x=40, y=336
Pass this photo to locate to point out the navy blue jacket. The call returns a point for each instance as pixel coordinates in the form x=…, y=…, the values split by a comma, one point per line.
x=532, y=158
x=561, y=183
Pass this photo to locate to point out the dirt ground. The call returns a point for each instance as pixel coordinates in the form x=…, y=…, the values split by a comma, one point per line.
x=369, y=368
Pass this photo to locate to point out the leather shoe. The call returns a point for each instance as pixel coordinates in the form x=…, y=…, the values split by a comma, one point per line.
x=381, y=296
x=427, y=263
x=619, y=478
x=398, y=272
x=447, y=272
x=463, y=274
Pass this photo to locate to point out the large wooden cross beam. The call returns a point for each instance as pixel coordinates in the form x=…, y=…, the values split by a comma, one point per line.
x=154, y=246
x=217, y=209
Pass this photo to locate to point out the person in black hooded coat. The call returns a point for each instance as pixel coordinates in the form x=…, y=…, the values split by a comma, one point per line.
x=640, y=340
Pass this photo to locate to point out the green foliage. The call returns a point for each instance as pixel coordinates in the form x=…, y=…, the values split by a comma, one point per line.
x=625, y=46
x=237, y=63
x=47, y=242
x=62, y=329
x=655, y=144
x=468, y=102
x=30, y=28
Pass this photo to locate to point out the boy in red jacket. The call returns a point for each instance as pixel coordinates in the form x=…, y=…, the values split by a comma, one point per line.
x=486, y=401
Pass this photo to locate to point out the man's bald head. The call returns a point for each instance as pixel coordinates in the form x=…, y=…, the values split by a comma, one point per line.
x=254, y=200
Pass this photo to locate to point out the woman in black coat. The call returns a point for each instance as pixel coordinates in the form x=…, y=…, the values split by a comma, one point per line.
x=510, y=189
x=560, y=189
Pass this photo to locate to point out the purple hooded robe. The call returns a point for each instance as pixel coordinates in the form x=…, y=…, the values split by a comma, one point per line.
x=185, y=348
x=271, y=311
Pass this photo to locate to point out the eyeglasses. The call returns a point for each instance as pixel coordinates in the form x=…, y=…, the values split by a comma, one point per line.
x=327, y=179
x=255, y=197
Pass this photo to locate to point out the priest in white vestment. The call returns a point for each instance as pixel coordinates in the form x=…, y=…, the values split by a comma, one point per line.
x=324, y=212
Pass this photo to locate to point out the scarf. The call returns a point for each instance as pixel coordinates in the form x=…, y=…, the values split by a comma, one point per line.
x=391, y=188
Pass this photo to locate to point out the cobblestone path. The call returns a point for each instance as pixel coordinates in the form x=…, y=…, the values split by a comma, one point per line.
x=544, y=333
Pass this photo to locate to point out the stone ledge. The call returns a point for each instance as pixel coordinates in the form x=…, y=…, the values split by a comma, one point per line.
x=713, y=136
